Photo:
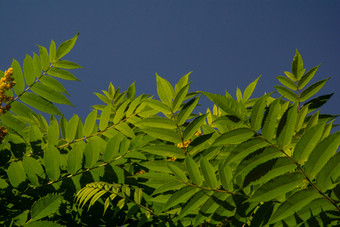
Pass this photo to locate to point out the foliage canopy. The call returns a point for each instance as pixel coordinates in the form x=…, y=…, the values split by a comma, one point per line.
x=138, y=160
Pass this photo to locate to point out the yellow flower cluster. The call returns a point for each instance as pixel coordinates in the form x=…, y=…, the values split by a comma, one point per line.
x=6, y=83
x=184, y=144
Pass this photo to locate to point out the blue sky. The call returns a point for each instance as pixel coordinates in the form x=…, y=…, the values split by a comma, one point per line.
x=227, y=44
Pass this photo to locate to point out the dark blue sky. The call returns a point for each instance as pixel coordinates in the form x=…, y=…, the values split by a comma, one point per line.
x=227, y=44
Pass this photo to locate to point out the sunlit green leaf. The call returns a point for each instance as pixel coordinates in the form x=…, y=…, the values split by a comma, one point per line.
x=90, y=122
x=181, y=196
x=65, y=47
x=312, y=90
x=235, y=136
x=45, y=206
x=194, y=173
x=307, y=77
x=16, y=173
x=208, y=173
x=28, y=70
x=39, y=103
x=288, y=94
x=249, y=89
x=50, y=94
x=257, y=113
x=63, y=64
x=62, y=74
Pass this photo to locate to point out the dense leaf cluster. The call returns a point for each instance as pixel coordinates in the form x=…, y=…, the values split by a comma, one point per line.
x=138, y=160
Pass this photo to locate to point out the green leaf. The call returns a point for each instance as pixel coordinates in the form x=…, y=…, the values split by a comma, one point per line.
x=28, y=70
x=36, y=65
x=249, y=89
x=193, y=127
x=75, y=158
x=62, y=74
x=257, y=113
x=10, y=121
x=43, y=224
x=210, y=206
x=180, y=196
x=307, y=77
x=329, y=173
x=91, y=154
x=208, y=173
x=169, y=186
x=156, y=122
x=195, y=202
x=287, y=82
x=39, y=103
x=301, y=117
x=51, y=158
x=288, y=122
x=225, y=175
x=177, y=172
x=182, y=82
x=239, y=95
x=157, y=105
x=66, y=47
x=45, y=206
x=186, y=111
x=269, y=125
x=71, y=128
x=53, y=132
x=194, y=173
x=63, y=64
x=307, y=143
x=244, y=149
x=132, y=107
x=229, y=105
x=164, y=90
x=90, y=122
x=125, y=129
x=288, y=94
x=235, y=136
x=16, y=173
x=290, y=76
x=260, y=157
x=180, y=97
x=293, y=204
x=44, y=59
x=312, y=90
x=104, y=118
x=53, y=51
x=21, y=109
x=112, y=148
x=18, y=77
x=297, y=66
x=50, y=94
x=131, y=91
x=138, y=195
x=165, y=151
x=32, y=169
x=163, y=134
x=120, y=112
x=53, y=84
x=277, y=187
x=321, y=154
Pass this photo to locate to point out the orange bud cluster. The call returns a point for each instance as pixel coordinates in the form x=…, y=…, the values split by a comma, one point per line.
x=6, y=83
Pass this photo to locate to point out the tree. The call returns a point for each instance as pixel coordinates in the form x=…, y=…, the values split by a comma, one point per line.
x=143, y=161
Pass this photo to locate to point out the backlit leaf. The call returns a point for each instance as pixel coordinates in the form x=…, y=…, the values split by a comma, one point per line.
x=288, y=122
x=269, y=125
x=297, y=66
x=186, y=111
x=257, y=113
x=287, y=82
x=249, y=89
